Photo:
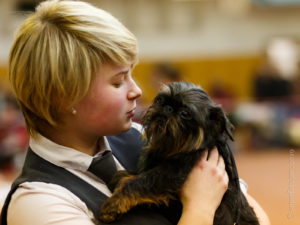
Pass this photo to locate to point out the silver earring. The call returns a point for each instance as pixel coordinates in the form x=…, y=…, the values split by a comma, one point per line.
x=74, y=111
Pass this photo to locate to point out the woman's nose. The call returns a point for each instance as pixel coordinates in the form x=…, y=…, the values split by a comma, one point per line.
x=135, y=91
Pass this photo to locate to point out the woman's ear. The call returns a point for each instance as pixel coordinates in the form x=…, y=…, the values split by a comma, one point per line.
x=222, y=122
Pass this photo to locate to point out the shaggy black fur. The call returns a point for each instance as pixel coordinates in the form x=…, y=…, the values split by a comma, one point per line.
x=180, y=124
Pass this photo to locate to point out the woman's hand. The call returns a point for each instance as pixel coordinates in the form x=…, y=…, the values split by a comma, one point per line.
x=203, y=190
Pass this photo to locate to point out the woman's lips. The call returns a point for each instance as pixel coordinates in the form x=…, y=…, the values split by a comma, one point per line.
x=131, y=113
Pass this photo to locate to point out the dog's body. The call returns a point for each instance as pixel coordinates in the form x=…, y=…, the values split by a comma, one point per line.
x=181, y=123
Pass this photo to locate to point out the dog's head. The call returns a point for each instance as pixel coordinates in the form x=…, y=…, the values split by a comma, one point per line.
x=183, y=118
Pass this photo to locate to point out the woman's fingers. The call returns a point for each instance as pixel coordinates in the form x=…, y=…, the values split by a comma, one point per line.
x=216, y=160
x=205, y=154
x=226, y=179
x=214, y=156
x=206, y=183
x=221, y=163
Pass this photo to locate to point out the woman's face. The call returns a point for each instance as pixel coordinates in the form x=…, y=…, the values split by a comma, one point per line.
x=109, y=106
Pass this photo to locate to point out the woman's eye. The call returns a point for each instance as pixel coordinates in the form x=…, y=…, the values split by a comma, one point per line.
x=119, y=80
x=117, y=84
x=186, y=115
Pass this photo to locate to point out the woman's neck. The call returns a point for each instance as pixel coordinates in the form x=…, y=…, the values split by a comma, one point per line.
x=87, y=144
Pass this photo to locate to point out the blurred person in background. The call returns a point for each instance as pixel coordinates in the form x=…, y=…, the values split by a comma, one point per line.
x=164, y=74
x=13, y=142
x=13, y=137
x=275, y=95
x=223, y=95
x=270, y=86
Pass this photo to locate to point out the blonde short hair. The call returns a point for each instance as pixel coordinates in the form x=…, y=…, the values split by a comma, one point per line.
x=56, y=54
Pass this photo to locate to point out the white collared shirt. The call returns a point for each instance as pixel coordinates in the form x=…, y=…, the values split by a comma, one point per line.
x=38, y=203
x=74, y=161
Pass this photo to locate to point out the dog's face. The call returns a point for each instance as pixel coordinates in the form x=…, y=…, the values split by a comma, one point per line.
x=183, y=118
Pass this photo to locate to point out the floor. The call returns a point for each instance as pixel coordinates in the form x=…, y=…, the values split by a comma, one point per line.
x=273, y=177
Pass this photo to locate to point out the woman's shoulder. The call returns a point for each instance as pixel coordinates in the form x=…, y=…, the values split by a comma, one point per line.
x=38, y=203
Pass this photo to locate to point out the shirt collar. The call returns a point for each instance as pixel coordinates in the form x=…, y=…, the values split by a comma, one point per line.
x=63, y=156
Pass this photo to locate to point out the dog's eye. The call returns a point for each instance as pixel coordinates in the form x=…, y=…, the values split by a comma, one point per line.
x=186, y=115
x=158, y=100
x=168, y=109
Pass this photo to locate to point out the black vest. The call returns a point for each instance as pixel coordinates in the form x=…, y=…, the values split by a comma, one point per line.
x=125, y=147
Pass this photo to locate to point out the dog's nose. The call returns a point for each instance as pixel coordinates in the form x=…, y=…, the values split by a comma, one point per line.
x=168, y=109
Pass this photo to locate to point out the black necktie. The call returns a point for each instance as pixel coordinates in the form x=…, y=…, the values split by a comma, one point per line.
x=104, y=167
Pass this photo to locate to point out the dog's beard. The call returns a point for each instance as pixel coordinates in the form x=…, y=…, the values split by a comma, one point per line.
x=170, y=135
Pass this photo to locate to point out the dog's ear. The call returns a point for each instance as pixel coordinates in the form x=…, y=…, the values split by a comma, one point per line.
x=221, y=121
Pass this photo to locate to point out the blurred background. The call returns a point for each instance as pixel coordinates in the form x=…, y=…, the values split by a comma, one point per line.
x=244, y=53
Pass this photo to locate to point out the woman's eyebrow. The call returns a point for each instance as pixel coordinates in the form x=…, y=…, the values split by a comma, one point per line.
x=124, y=72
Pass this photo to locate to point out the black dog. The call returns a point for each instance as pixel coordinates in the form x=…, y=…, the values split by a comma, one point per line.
x=180, y=124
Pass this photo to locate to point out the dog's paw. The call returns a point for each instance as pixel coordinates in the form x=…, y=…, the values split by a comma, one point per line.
x=109, y=212
x=108, y=217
